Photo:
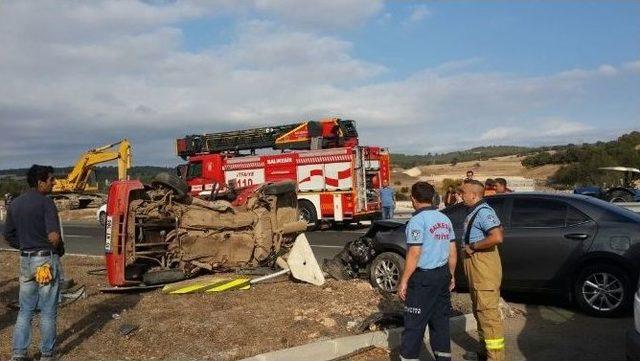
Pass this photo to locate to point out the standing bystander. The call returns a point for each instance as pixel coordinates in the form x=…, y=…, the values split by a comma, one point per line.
x=501, y=186
x=33, y=227
x=387, y=200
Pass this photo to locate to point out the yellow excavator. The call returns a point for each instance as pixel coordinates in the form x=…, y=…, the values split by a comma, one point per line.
x=75, y=191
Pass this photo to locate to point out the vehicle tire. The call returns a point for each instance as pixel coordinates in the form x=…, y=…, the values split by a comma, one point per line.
x=603, y=290
x=179, y=187
x=308, y=213
x=385, y=271
x=163, y=276
x=620, y=196
x=102, y=218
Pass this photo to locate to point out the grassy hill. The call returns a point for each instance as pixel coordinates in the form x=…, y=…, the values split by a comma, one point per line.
x=560, y=165
x=580, y=163
x=14, y=180
x=478, y=153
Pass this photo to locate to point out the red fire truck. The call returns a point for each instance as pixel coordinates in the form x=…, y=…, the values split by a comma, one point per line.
x=337, y=179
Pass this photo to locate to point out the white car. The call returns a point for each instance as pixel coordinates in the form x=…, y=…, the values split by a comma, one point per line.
x=633, y=335
x=101, y=214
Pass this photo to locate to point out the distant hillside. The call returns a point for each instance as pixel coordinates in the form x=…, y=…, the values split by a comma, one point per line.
x=580, y=163
x=478, y=153
x=14, y=180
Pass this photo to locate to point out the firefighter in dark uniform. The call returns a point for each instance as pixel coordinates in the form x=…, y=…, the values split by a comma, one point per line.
x=482, y=234
x=427, y=281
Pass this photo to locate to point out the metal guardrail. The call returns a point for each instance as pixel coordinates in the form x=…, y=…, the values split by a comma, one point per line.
x=632, y=206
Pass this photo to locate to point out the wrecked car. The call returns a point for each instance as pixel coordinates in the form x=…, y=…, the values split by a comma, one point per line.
x=158, y=233
x=377, y=255
x=564, y=245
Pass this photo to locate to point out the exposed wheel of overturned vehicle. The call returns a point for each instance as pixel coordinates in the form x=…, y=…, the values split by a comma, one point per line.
x=603, y=290
x=386, y=270
x=308, y=213
x=163, y=276
x=179, y=187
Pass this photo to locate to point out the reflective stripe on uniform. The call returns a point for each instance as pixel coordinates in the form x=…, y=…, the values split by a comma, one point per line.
x=494, y=344
x=442, y=354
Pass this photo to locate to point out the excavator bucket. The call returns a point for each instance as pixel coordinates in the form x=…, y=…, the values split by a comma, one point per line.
x=303, y=263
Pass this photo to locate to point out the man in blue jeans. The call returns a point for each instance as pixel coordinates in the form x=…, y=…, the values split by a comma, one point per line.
x=387, y=200
x=32, y=225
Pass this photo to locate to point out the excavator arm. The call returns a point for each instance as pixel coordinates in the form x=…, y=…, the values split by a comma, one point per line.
x=77, y=179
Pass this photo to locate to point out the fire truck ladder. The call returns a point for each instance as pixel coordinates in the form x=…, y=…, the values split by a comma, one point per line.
x=275, y=137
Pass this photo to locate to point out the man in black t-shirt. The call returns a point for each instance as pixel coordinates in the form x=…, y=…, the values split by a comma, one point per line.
x=33, y=227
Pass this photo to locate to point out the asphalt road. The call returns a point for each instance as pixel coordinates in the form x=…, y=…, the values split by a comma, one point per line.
x=87, y=238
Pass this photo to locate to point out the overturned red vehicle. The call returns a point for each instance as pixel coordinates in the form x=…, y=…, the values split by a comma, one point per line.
x=158, y=233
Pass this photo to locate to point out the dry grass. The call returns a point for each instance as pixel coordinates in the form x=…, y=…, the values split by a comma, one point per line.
x=225, y=326
x=508, y=167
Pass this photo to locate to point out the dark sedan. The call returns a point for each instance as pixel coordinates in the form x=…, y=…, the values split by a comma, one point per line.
x=573, y=245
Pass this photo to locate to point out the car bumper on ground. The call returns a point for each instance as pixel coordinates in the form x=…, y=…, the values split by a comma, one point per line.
x=633, y=345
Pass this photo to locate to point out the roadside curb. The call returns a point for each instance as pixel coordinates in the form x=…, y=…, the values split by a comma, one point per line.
x=331, y=349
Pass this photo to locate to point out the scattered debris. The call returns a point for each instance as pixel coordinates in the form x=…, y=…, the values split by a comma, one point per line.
x=126, y=329
x=352, y=324
x=225, y=321
x=381, y=321
x=328, y=322
x=72, y=295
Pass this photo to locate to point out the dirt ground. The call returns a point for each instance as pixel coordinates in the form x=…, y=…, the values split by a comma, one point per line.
x=86, y=214
x=224, y=326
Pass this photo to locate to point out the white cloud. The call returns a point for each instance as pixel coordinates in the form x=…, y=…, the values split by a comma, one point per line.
x=633, y=66
x=607, y=69
x=419, y=13
x=549, y=129
x=68, y=86
x=325, y=14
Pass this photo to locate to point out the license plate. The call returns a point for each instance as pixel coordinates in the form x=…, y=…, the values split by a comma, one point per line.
x=107, y=237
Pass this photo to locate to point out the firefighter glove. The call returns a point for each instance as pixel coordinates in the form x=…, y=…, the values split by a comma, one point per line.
x=43, y=274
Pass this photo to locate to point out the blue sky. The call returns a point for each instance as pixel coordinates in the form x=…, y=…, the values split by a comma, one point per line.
x=525, y=38
x=521, y=37
x=418, y=77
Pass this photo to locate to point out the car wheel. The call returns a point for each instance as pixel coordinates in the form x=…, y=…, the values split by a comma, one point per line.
x=386, y=270
x=603, y=290
x=163, y=276
x=179, y=187
x=620, y=196
x=102, y=218
x=308, y=213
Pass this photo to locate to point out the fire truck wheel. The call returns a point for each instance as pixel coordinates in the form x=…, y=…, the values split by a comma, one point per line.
x=308, y=213
x=163, y=276
x=179, y=187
